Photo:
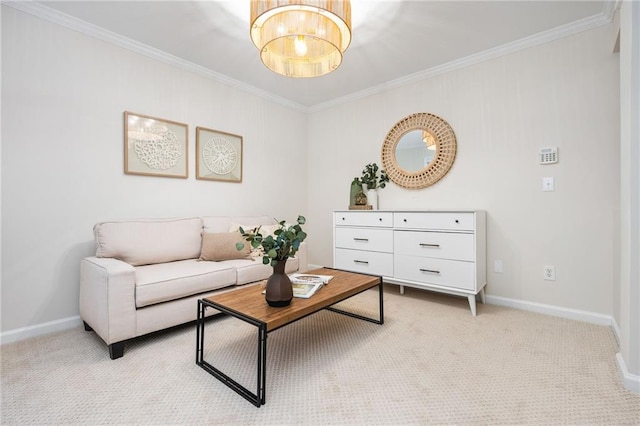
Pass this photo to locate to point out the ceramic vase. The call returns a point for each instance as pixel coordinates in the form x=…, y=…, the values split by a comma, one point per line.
x=279, y=290
x=372, y=197
x=356, y=188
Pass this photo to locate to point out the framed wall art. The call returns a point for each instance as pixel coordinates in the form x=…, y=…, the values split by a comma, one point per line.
x=155, y=146
x=218, y=155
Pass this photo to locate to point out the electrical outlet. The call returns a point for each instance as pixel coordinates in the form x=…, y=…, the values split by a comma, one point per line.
x=549, y=272
x=497, y=266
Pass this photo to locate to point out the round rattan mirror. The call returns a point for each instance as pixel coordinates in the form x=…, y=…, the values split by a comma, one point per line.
x=419, y=150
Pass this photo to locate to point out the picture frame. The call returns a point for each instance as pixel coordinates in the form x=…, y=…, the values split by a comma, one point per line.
x=218, y=155
x=155, y=146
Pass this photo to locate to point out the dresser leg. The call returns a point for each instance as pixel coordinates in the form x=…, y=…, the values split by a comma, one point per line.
x=472, y=304
x=401, y=289
x=482, y=297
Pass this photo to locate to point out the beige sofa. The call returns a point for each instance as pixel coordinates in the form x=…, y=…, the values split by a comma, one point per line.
x=147, y=275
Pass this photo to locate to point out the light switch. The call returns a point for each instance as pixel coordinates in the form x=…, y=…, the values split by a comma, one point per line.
x=548, y=183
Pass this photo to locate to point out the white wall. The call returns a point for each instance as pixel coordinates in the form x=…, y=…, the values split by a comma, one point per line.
x=564, y=93
x=63, y=98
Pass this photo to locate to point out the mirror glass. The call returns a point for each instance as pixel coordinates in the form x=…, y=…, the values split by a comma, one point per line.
x=415, y=150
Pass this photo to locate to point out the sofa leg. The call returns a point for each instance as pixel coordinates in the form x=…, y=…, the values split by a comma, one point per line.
x=87, y=327
x=116, y=350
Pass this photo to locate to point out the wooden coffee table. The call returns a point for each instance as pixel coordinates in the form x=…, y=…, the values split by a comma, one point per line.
x=248, y=304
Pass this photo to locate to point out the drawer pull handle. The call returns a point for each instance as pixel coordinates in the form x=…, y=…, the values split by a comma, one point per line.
x=429, y=270
x=457, y=221
x=404, y=220
x=361, y=261
x=380, y=219
x=361, y=239
x=429, y=245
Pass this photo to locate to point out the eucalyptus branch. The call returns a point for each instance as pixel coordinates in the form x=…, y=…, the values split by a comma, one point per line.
x=285, y=244
x=371, y=178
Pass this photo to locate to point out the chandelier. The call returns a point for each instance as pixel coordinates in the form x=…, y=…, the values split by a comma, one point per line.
x=429, y=140
x=301, y=38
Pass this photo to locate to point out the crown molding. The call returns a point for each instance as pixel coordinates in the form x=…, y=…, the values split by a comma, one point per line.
x=75, y=24
x=610, y=7
x=524, y=43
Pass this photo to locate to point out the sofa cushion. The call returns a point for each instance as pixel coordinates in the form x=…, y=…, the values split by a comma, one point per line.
x=264, y=229
x=143, y=242
x=174, y=280
x=217, y=246
x=223, y=223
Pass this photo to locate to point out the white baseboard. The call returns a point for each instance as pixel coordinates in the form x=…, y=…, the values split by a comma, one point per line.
x=616, y=330
x=39, y=329
x=556, y=311
x=631, y=381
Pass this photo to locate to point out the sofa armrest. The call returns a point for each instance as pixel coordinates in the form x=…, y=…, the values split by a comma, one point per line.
x=303, y=257
x=107, y=298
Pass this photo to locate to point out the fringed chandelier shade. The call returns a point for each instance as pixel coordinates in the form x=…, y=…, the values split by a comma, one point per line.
x=299, y=38
x=429, y=140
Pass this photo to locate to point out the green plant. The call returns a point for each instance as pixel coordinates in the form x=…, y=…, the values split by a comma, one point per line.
x=371, y=178
x=284, y=242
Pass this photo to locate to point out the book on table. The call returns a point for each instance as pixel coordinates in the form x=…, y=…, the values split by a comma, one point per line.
x=306, y=278
x=306, y=287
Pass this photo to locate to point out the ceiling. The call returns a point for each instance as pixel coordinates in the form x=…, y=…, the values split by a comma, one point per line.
x=394, y=42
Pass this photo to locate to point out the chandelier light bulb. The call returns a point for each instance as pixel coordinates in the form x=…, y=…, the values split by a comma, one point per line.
x=300, y=46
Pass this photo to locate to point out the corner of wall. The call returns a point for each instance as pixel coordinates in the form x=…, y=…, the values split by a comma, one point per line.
x=631, y=381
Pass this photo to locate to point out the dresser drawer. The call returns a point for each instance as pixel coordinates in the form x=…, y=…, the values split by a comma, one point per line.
x=373, y=218
x=449, y=221
x=371, y=239
x=368, y=262
x=449, y=273
x=442, y=245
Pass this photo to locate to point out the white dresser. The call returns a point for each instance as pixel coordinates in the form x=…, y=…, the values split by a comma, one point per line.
x=442, y=251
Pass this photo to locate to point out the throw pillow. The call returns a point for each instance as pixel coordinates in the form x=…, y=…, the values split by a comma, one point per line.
x=222, y=246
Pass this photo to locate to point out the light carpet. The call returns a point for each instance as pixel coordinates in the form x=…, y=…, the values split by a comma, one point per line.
x=430, y=363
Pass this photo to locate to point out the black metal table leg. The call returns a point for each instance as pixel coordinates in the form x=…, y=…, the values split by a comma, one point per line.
x=200, y=332
x=257, y=398
x=379, y=320
x=381, y=302
x=262, y=363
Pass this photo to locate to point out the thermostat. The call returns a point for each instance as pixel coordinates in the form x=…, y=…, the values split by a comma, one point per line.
x=549, y=155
